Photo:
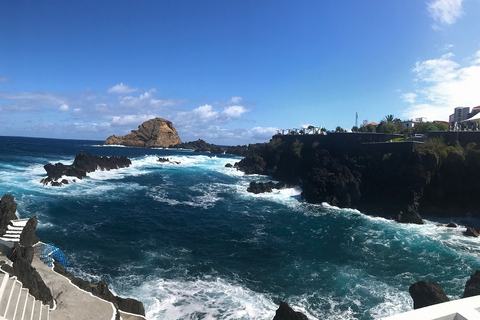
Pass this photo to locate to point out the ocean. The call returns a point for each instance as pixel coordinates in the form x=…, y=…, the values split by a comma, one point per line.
x=190, y=242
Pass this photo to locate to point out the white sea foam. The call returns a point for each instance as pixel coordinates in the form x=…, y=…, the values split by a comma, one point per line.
x=205, y=299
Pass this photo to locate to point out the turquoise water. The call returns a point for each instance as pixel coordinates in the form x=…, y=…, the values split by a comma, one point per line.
x=190, y=242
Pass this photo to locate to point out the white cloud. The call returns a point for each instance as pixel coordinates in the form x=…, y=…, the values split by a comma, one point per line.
x=205, y=112
x=409, y=97
x=443, y=84
x=4, y=79
x=131, y=119
x=234, y=111
x=445, y=12
x=64, y=107
x=236, y=100
x=121, y=89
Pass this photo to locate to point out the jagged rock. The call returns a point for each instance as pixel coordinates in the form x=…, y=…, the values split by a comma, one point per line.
x=8, y=207
x=101, y=290
x=229, y=165
x=472, y=287
x=83, y=164
x=471, y=232
x=285, y=312
x=425, y=294
x=156, y=132
x=262, y=187
x=254, y=164
x=167, y=160
x=452, y=225
x=28, y=237
x=28, y=275
x=202, y=146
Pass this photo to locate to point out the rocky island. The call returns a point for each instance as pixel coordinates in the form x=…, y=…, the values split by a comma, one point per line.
x=156, y=132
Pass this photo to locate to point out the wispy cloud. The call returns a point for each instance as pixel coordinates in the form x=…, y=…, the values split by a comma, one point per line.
x=95, y=115
x=4, y=79
x=445, y=12
x=443, y=84
x=121, y=89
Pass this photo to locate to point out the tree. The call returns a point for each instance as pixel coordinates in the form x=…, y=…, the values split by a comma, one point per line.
x=339, y=129
x=389, y=118
x=354, y=129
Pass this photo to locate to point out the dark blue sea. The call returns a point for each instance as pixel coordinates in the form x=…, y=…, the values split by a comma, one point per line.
x=191, y=243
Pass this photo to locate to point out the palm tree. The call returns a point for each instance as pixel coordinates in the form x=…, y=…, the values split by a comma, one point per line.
x=389, y=118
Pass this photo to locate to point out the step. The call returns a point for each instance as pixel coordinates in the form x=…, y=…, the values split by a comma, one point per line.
x=10, y=227
x=45, y=313
x=29, y=308
x=19, y=222
x=10, y=239
x=6, y=296
x=3, y=285
x=13, y=232
x=21, y=304
x=13, y=300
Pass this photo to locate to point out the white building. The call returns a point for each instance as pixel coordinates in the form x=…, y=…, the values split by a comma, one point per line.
x=459, y=114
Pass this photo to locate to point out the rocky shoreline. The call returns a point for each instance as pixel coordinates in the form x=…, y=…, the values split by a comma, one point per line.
x=394, y=180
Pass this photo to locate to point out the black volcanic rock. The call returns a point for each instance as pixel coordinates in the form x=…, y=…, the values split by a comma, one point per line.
x=262, y=187
x=471, y=232
x=83, y=164
x=253, y=164
x=425, y=294
x=28, y=237
x=8, y=207
x=28, y=275
x=285, y=312
x=202, y=146
x=472, y=287
x=101, y=290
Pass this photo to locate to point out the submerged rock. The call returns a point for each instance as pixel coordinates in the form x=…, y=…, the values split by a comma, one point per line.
x=285, y=312
x=425, y=294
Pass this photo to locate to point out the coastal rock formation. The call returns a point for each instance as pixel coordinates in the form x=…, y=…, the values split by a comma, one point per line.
x=425, y=294
x=8, y=207
x=156, y=132
x=83, y=164
x=285, y=312
x=28, y=237
x=202, y=146
x=394, y=180
x=472, y=287
x=101, y=290
x=262, y=187
x=28, y=275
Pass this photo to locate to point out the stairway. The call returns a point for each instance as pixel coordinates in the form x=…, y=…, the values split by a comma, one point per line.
x=16, y=303
x=14, y=230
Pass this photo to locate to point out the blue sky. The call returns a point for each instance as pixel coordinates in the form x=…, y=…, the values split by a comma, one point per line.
x=232, y=72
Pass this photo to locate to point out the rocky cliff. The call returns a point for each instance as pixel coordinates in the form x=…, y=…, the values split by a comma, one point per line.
x=396, y=180
x=156, y=132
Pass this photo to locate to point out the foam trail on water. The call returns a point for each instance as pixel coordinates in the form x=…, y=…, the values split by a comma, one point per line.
x=207, y=299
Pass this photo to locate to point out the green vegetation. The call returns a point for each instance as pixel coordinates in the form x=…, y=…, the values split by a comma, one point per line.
x=391, y=125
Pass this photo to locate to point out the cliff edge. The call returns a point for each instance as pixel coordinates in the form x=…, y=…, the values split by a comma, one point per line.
x=156, y=132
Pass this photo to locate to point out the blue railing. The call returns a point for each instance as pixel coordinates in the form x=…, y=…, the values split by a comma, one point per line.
x=49, y=252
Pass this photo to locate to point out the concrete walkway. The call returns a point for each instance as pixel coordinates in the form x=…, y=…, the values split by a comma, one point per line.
x=71, y=301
